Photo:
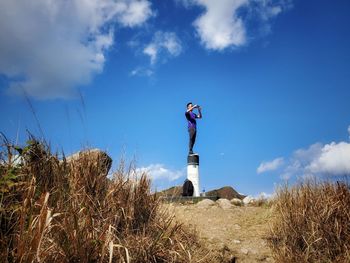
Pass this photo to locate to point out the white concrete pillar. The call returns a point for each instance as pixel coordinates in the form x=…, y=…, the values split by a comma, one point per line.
x=193, y=172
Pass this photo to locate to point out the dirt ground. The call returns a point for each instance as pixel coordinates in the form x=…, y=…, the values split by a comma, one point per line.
x=237, y=232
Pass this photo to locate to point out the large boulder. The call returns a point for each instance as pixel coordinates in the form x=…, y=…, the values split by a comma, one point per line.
x=226, y=192
x=96, y=158
x=88, y=172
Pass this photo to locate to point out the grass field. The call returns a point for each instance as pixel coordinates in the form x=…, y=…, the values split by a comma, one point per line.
x=67, y=210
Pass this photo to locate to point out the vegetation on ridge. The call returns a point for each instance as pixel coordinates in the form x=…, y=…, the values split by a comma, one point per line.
x=55, y=210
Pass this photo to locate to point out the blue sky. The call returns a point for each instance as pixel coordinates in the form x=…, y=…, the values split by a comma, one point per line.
x=271, y=76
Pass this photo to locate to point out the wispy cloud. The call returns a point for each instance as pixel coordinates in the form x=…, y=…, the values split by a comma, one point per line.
x=166, y=44
x=152, y=51
x=270, y=166
x=142, y=72
x=48, y=48
x=162, y=47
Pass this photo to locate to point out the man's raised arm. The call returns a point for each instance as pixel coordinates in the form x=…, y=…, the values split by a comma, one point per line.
x=192, y=107
x=199, y=112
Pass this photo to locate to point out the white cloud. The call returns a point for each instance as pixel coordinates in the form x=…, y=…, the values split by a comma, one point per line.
x=49, y=47
x=135, y=13
x=317, y=160
x=270, y=166
x=334, y=159
x=166, y=44
x=160, y=172
x=222, y=25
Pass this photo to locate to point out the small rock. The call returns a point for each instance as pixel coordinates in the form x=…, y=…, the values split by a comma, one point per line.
x=236, y=241
x=224, y=203
x=244, y=251
x=237, y=227
x=253, y=251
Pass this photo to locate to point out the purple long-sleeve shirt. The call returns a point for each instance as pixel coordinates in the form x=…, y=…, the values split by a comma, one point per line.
x=191, y=119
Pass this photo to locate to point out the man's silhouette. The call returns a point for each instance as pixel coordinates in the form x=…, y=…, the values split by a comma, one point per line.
x=192, y=124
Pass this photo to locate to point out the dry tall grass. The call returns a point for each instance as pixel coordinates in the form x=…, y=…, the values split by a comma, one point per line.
x=312, y=223
x=69, y=211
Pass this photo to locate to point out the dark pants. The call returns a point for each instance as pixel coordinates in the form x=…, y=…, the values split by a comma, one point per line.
x=192, y=132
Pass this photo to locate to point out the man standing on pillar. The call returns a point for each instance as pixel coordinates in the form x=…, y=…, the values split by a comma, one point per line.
x=192, y=124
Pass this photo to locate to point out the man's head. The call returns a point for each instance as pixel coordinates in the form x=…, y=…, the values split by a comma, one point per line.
x=189, y=105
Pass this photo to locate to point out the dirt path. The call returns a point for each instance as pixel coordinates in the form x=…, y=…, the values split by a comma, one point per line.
x=239, y=231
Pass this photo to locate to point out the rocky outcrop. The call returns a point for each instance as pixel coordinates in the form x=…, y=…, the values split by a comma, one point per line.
x=226, y=192
x=88, y=172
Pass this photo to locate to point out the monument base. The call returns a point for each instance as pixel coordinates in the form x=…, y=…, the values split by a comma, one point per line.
x=193, y=172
